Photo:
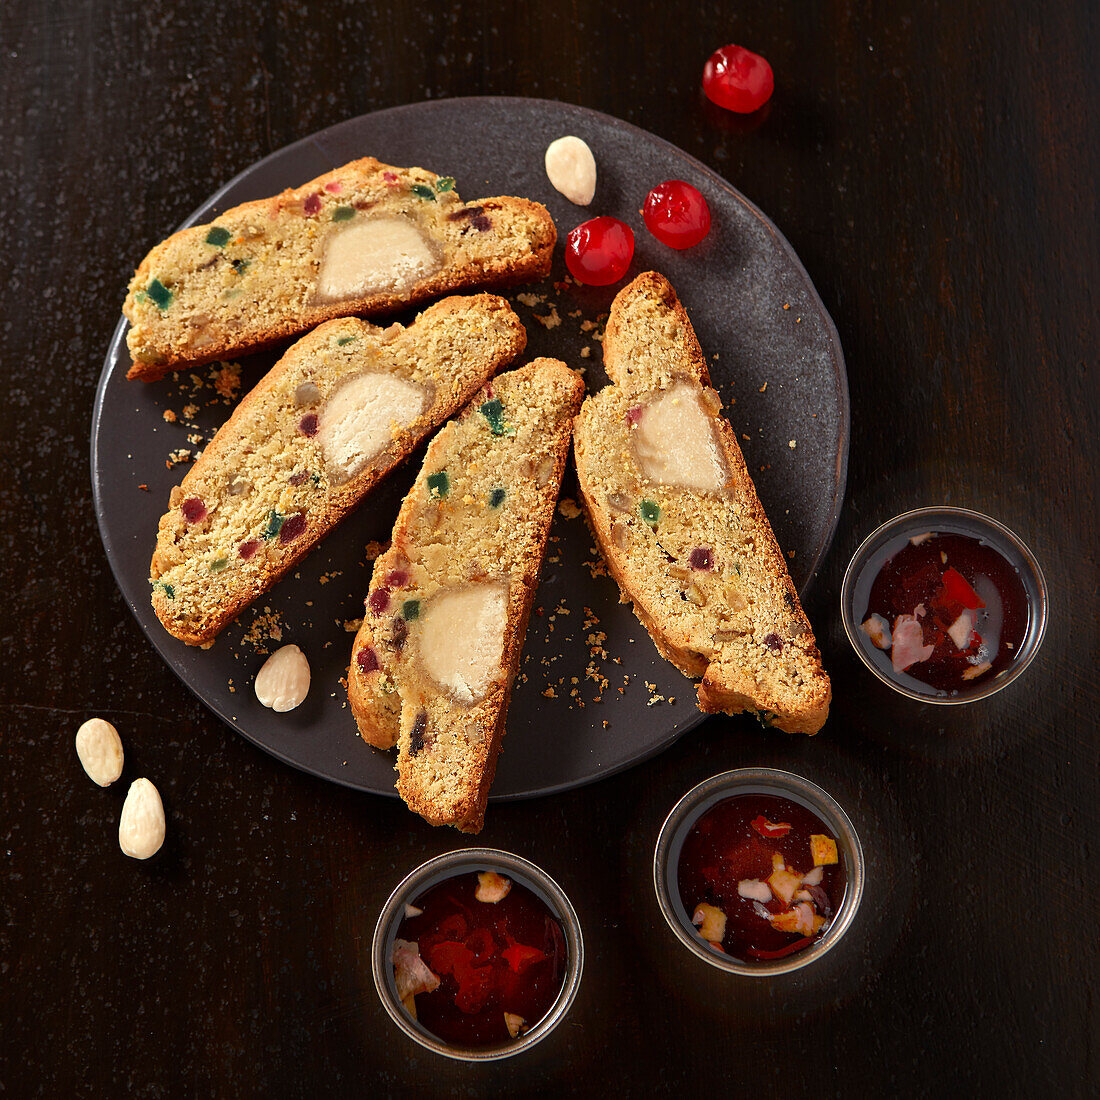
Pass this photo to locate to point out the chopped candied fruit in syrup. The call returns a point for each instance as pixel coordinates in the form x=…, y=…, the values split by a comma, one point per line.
x=492, y=959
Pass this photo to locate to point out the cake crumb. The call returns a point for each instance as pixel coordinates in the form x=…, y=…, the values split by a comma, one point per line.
x=352, y=625
x=586, y=352
x=170, y=416
x=227, y=380
x=568, y=508
x=549, y=320
x=376, y=549
x=143, y=487
x=763, y=387
x=792, y=444
x=190, y=411
x=181, y=454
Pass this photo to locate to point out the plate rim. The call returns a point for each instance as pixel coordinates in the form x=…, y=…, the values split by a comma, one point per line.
x=840, y=378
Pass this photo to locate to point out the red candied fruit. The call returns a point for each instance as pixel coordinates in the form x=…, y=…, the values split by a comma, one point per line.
x=378, y=601
x=334, y=188
x=248, y=549
x=367, y=660
x=701, y=558
x=292, y=527
x=193, y=509
x=312, y=204
x=598, y=251
x=519, y=956
x=774, y=643
x=738, y=79
x=677, y=214
x=300, y=478
x=308, y=425
x=397, y=578
x=634, y=415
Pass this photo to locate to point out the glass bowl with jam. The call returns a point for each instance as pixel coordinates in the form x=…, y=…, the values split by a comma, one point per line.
x=944, y=604
x=477, y=954
x=758, y=871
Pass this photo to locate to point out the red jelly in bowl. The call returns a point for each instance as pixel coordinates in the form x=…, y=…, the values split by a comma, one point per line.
x=760, y=876
x=483, y=959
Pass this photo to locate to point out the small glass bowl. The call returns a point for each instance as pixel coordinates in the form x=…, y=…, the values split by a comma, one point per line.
x=887, y=540
x=670, y=842
x=463, y=862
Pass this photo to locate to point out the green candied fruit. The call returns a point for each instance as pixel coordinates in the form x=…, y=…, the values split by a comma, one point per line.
x=496, y=498
x=650, y=512
x=159, y=294
x=439, y=484
x=410, y=610
x=241, y=266
x=166, y=588
x=273, y=525
x=343, y=214
x=217, y=565
x=423, y=191
x=218, y=236
x=445, y=183
x=493, y=411
x=343, y=341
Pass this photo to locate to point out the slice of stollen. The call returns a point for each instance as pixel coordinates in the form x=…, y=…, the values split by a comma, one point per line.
x=366, y=239
x=433, y=663
x=343, y=406
x=676, y=515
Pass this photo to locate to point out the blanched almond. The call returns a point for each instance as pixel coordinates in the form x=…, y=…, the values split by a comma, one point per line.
x=571, y=168
x=141, y=827
x=100, y=751
x=283, y=682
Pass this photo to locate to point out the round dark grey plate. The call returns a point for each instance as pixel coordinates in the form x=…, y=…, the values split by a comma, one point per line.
x=775, y=358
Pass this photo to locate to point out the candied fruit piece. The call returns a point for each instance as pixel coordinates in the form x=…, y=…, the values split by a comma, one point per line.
x=423, y=191
x=343, y=213
x=519, y=957
x=367, y=660
x=159, y=294
x=417, y=734
x=650, y=512
x=217, y=565
x=702, y=559
x=493, y=411
x=770, y=828
x=273, y=525
x=218, y=236
x=445, y=183
x=343, y=341
x=193, y=510
x=773, y=642
x=711, y=922
x=492, y=887
x=496, y=498
x=397, y=578
x=292, y=527
x=247, y=549
x=439, y=484
x=378, y=600
x=240, y=266
x=308, y=425
x=299, y=478
x=410, y=609
x=823, y=849
x=312, y=205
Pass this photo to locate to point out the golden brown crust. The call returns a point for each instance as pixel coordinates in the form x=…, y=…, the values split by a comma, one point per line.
x=748, y=638
x=448, y=783
x=200, y=326
x=449, y=351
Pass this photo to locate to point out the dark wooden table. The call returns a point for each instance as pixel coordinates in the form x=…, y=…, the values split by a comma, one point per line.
x=935, y=166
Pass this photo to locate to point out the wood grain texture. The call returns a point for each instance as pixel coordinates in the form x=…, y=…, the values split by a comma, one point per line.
x=935, y=166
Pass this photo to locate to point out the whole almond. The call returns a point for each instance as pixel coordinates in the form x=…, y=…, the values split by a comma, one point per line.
x=283, y=682
x=141, y=826
x=99, y=748
x=572, y=169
